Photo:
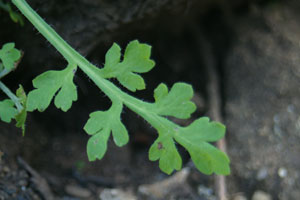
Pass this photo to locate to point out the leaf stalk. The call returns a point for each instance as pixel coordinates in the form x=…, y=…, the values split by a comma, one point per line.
x=12, y=96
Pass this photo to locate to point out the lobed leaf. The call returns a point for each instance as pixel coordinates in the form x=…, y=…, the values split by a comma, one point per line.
x=207, y=158
x=194, y=138
x=136, y=60
x=7, y=110
x=9, y=55
x=175, y=103
x=100, y=125
x=97, y=145
x=164, y=150
x=48, y=84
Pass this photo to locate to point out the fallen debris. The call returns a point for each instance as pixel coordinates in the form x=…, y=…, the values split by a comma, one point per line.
x=40, y=183
x=77, y=191
x=160, y=189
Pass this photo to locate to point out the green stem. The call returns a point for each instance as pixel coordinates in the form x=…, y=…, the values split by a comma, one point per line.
x=67, y=51
x=12, y=96
x=4, y=72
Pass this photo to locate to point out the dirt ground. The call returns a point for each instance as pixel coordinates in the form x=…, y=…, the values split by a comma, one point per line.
x=254, y=49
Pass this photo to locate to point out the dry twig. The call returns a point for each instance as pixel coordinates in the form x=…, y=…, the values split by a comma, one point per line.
x=214, y=97
x=40, y=183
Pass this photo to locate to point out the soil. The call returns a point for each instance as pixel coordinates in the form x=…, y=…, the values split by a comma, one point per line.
x=253, y=45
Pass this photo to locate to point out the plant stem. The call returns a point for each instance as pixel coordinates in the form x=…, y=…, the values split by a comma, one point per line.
x=73, y=56
x=12, y=96
x=113, y=92
x=142, y=108
x=4, y=72
x=60, y=44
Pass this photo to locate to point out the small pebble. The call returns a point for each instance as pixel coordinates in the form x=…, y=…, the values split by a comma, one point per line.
x=262, y=174
x=116, y=194
x=202, y=190
x=261, y=195
x=206, y=193
x=282, y=172
x=276, y=119
x=77, y=191
x=291, y=108
x=6, y=169
x=239, y=197
x=23, y=188
x=22, y=182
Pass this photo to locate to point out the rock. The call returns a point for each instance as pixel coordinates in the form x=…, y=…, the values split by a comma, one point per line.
x=262, y=174
x=239, y=197
x=260, y=195
x=77, y=191
x=116, y=194
x=206, y=193
x=282, y=172
x=262, y=78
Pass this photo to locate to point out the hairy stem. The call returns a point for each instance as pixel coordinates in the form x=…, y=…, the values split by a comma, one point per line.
x=72, y=56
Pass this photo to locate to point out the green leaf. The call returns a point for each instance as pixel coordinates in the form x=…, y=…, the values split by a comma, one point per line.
x=97, y=145
x=194, y=138
x=112, y=58
x=22, y=115
x=100, y=125
x=9, y=55
x=205, y=156
x=136, y=60
x=164, y=150
x=48, y=84
x=175, y=103
x=7, y=110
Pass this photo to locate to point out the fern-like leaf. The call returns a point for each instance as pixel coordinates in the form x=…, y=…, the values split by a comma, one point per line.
x=136, y=60
x=194, y=138
x=48, y=84
x=100, y=125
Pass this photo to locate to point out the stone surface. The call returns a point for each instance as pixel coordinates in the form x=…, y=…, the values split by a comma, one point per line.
x=116, y=194
x=77, y=191
x=263, y=102
x=260, y=195
x=239, y=197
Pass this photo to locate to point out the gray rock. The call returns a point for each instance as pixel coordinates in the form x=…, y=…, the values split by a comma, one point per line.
x=239, y=197
x=260, y=195
x=263, y=101
x=116, y=194
x=77, y=191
